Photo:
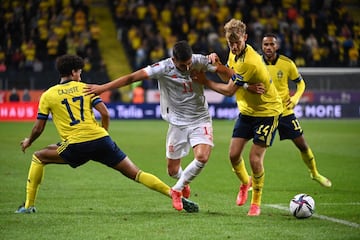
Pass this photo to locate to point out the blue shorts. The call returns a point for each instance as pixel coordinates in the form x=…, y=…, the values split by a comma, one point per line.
x=289, y=127
x=261, y=129
x=103, y=150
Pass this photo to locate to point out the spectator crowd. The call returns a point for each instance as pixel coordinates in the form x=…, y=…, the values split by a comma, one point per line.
x=314, y=33
x=33, y=33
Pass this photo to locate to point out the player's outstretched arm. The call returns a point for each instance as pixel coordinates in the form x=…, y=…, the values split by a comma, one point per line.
x=227, y=74
x=199, y=77
x=222, y=71
x=227, y=89
x=36, y=131
x=117, y=83
x=94, y=89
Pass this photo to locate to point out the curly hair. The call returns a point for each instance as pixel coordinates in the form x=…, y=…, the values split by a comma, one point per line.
x=65, y=64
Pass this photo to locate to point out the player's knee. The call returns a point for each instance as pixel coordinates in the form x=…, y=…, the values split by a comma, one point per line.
x=235, y=158
x=128, y=169
x=303, y=148
x=203, y=160
x=202, y=157
x=37, y=157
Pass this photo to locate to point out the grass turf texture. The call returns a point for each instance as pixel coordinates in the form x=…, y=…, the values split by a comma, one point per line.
x=95, y=202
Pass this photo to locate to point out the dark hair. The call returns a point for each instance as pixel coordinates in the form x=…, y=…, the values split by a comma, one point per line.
x=182, y=51
x=66, y=63
x=270, y=35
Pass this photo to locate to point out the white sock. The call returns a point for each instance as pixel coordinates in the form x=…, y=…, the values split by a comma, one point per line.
x=178, y=174
x=189, y=173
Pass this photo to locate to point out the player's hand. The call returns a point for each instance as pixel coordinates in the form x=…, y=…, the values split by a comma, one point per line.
x=214, y=58
x=290, y=104
x=257, y=88
x=25, y=144
x=93, y=89
x=199, y=77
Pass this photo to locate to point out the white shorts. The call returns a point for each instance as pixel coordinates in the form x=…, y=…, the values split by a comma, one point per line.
x=180, y=139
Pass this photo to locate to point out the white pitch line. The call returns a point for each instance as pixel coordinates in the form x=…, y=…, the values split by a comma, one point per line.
x=341, y=204
x=347, y=223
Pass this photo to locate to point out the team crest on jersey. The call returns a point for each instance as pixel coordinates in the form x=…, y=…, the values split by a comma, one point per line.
x=280, y=74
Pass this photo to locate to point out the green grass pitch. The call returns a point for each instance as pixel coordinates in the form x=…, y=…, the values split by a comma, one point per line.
x=95, y=202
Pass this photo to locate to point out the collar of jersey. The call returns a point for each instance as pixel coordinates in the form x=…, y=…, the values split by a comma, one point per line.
x=66, y=81
x=271, y=62
x=241, y=54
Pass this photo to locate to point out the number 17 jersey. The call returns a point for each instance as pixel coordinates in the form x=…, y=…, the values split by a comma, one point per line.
x=71, y=112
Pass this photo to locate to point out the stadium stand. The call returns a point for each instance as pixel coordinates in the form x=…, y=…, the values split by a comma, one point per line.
x=33, y=33
x=313, y=33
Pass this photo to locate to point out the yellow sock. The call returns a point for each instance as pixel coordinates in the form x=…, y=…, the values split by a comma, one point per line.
x=257, y=185
x=153, y=182
x=240, y=171
x=309, y=160
x=36, y=173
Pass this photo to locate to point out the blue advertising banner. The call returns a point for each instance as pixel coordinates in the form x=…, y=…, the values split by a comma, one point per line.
x=230, y=111
x=152, y=111
x=327, y=111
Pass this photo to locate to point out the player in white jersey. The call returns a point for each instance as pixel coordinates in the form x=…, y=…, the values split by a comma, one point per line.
x=182, y=101
x=184, y=106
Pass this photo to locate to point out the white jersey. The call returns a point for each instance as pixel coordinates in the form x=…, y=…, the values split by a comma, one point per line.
x=182, y=101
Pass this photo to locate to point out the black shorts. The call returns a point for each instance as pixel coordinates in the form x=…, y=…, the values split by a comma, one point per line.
x=261, y=129
x=289, y=127
x=103, y=150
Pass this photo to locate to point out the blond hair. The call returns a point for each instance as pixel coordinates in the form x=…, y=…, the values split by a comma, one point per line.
x=234, y=29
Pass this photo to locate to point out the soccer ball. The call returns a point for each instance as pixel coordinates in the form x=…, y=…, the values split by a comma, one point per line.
x=302, y=206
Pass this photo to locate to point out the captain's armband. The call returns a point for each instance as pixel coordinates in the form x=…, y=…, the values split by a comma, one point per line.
x=238, y=80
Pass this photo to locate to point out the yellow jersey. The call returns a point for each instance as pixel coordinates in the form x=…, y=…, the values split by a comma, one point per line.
x=283, y=69
x=71, y=112
x=253, y=70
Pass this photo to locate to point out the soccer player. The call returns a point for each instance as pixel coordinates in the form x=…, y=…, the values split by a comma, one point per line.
x=83, y=139
x=282, y=69
x=183, y=106
x=259, y=113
